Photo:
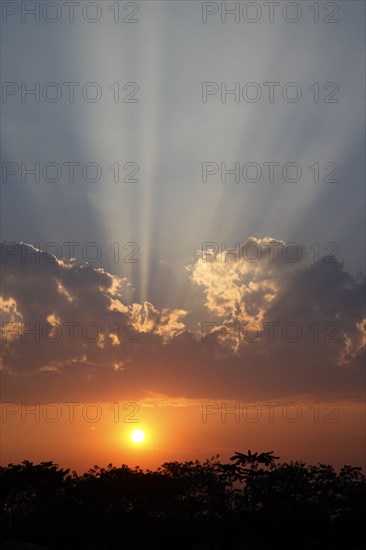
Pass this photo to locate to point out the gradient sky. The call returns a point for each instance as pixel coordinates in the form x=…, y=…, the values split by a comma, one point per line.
x=169, y=372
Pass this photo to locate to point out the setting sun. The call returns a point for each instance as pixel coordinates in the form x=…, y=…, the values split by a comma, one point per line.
x=138, y=436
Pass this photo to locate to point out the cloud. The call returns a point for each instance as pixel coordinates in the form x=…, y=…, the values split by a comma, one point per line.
x=165, y=322
x=275, y=328
x=241, y=284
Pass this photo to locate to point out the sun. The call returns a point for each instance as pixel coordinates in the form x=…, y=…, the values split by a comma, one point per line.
x=138, y=436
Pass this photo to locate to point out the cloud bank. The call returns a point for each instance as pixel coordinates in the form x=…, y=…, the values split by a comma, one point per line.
x=269, y=329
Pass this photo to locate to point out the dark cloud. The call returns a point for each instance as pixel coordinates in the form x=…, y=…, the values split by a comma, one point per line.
x=127, y=351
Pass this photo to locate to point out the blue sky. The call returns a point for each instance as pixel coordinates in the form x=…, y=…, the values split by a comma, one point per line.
x=170, y=132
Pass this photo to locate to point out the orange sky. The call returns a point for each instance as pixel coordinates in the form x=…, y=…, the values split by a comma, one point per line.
x=177, y=432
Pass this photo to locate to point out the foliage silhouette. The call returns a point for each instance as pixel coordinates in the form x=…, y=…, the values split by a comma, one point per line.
x=253, y=502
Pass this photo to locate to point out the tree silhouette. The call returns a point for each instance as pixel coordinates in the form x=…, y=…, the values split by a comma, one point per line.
x=252, y=502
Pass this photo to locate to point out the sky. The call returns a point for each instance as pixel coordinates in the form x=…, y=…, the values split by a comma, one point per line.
x=189, y=249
